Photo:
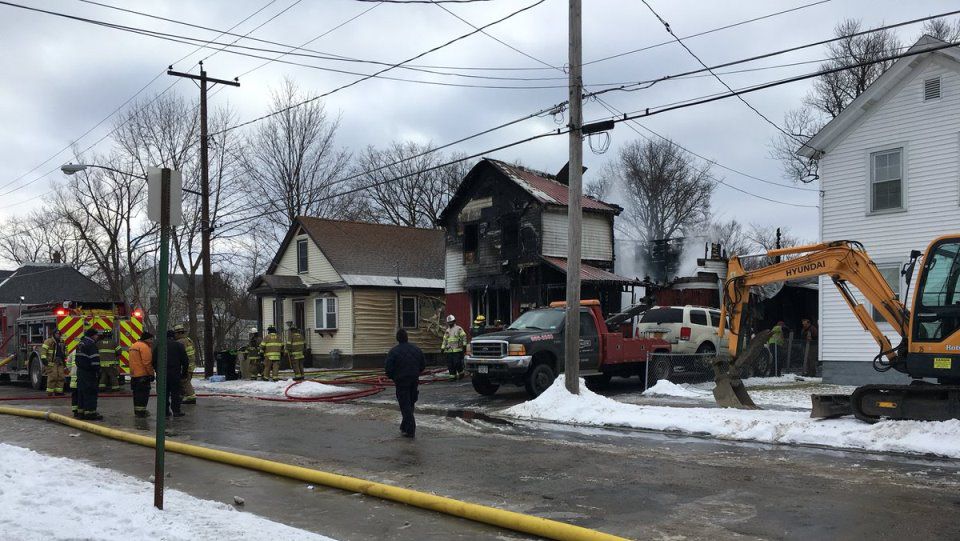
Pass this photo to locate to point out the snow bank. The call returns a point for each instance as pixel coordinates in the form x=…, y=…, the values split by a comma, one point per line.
x=915, y=437
x=273, y=389
x=46, y=498
x=668, y=388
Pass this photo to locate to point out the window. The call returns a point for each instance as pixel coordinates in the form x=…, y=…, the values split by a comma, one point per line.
x=662, y=315
x=891, y=273
x=471, y=241
x=409, y=312
x=302, y=256
x=325, y=313
x=698, y=317
x=931, y=89
x=278, y=313
x=886, y=180
x=588, y=329
x=714, y=318
x=938, y=312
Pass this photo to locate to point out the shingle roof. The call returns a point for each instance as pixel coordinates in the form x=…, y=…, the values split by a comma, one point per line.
x=589, y=273
x=40, y=284
x=365, y=249
x=545, y=187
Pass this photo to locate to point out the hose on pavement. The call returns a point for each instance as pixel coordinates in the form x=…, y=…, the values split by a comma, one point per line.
x=519, y=522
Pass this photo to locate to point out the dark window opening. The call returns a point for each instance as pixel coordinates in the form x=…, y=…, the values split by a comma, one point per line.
x=494, y=304
x=471, y=241
x=408, y=312
x=510, y=236
x=301, y=256
x=698, y=317
x=663, y=315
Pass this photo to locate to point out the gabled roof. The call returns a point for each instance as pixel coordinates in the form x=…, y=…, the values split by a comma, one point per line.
x=367, y=254
x=543, y=187
x=40, y=284
x=866, y=102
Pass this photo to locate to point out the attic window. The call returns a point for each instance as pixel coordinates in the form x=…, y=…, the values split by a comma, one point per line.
x=931, y=89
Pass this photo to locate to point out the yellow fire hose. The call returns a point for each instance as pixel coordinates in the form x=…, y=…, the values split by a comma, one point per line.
x=7, y=360
x=518, y=522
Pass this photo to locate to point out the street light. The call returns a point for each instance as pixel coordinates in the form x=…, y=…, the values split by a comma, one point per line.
x=72, y=168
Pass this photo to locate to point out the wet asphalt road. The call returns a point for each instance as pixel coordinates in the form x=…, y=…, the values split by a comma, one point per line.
x=636, y=484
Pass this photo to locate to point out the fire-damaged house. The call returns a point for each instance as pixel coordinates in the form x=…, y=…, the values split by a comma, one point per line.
x=506, y=244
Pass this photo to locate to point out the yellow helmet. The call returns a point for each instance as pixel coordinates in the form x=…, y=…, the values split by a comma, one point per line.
x=480, y=319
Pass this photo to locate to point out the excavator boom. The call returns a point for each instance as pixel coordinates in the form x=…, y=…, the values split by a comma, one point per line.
x=848, y=265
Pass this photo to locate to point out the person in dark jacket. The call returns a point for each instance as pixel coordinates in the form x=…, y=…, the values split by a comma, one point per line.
x=177, y=369
x=404, y=364
x=88, y=376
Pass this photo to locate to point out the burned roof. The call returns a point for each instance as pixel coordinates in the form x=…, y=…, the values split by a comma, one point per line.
x=40, y=284
x=589, y=273
x=545, y=188
x=364, y=249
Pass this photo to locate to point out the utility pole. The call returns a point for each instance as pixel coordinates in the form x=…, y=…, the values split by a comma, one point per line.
x=571, y=365
x=205, y=227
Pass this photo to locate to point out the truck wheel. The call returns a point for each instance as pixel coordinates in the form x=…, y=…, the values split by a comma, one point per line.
x=662, y=369
x=37, y=379
x=483, y=385
x=539, y=378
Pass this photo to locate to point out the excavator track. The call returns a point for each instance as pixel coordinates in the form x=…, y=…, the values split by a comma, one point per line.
x=917, y=402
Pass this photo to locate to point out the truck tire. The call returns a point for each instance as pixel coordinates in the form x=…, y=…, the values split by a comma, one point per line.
x=37, y=380
x=483, y=385
x=538, y=379
x=662, y=369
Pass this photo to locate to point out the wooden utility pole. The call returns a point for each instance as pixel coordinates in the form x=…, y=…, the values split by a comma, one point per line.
x=205, y=227
x=574, y=209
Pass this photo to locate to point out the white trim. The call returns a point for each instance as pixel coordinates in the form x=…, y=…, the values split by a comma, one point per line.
x=320, y=313
x=306, y=256
x=355, y=280
x=904, y=203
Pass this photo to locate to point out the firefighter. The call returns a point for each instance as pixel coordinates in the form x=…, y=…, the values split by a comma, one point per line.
x=186, y=384
x=109, y=362
x=141, y=373
x=55, y=357
x=74, y=378
x=272, y=349
x=294, y=349
x=254, y=358
x=88, y=374
x=453, y=344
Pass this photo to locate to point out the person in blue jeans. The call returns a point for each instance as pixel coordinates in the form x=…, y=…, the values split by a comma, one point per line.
x=404, y=364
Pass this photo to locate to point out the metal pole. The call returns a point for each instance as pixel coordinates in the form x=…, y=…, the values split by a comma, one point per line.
x=161, y=350
x=205, y=230
x=574, y=209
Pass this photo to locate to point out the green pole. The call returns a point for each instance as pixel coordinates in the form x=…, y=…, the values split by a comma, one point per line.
x=160, y=362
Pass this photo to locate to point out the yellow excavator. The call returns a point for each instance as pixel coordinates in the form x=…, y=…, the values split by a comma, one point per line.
x=929, y=345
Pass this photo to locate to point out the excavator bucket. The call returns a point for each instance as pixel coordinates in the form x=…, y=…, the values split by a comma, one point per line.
x=730, y=391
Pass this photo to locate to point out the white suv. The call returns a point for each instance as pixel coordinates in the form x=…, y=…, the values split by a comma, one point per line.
x=691, y=329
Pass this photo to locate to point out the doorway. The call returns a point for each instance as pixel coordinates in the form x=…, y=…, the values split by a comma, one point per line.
x=299, y=314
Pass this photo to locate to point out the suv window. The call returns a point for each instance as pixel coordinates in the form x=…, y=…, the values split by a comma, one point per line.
x=698, y=317
x=714, y=318
x=663, y=315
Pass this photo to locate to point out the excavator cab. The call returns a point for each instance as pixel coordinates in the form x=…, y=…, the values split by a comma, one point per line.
x=934, y=345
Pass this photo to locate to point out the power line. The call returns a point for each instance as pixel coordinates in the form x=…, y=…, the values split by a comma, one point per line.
x=650, y=82
x=367, y=77
x=711, y=31
x=612, y=109
x=669, y=30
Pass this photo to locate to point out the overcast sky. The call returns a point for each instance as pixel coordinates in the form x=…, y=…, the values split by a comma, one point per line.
x=61, y=77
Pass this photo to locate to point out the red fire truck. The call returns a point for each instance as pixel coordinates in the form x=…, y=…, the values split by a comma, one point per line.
x=24, y=328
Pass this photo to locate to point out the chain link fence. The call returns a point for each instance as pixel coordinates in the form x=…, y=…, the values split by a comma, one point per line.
x=795, y=356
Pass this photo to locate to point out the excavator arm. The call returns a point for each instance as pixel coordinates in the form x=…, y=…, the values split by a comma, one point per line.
x=846, y=263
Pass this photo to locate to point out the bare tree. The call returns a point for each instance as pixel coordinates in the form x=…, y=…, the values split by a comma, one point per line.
x=732, y=237
x=942, y=29
x=293, y=163
x=41, y=237
x=664, y=193
x=407, y=184
x=832, y=92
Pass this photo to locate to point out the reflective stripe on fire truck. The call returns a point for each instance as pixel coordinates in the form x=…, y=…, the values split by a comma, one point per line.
x=130, y=331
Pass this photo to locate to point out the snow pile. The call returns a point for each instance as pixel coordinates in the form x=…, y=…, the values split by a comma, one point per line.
x=272, y=389
x=49, y=498
x=914, y=437
x=668, y=388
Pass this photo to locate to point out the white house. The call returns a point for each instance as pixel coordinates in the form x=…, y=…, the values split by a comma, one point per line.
x=890, y=175
x=350, y=285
